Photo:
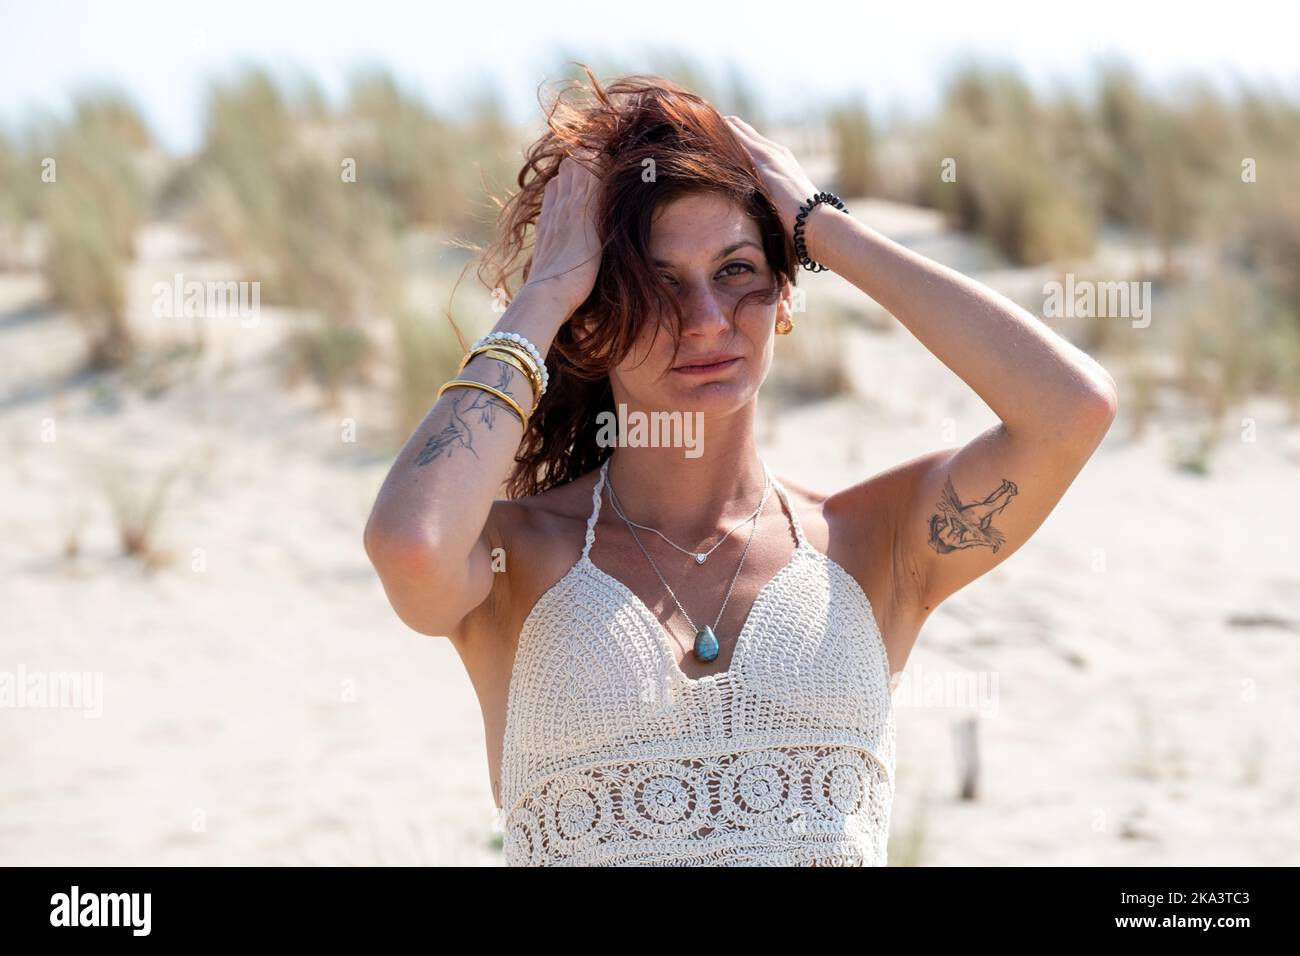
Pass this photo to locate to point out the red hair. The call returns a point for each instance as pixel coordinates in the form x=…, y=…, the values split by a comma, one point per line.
x=693, y=149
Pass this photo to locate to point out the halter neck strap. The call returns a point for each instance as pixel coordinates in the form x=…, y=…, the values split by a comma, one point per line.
x=595, y=507
x=789, y=510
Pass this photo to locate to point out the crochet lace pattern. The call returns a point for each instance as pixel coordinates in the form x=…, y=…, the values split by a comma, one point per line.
x=613, y=756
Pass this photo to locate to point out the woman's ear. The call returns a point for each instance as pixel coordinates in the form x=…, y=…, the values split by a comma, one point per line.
x=785, y=310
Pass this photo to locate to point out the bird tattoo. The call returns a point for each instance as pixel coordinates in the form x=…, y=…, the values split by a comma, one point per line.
x=955, y=525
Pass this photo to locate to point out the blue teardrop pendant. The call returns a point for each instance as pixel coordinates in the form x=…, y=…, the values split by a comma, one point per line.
x=706, y=644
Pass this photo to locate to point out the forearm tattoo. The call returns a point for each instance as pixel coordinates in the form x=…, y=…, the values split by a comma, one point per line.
x=468, y=407
x=955, y=525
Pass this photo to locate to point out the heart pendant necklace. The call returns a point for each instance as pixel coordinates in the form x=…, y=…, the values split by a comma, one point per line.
x=699, y=556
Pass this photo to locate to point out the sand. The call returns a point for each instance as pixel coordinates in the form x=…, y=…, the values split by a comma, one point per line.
x=262, y=704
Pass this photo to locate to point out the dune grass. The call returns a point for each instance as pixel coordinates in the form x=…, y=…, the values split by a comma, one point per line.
x=92, y=201
x=318, y=200
x=137, y=502
x=19, y=198
x=1188, y=170
x=908, y=848
x=855, y=144
x=427, y=354
x=995, y=166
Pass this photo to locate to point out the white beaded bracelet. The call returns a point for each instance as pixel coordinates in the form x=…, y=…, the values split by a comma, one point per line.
x=517, y=339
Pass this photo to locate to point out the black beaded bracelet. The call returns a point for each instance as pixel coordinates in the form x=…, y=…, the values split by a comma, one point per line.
x=801, y=250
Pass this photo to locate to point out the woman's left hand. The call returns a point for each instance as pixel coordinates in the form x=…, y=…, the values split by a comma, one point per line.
x=786, y=181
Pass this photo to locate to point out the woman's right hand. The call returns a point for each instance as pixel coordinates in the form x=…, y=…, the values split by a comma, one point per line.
x=567, y=250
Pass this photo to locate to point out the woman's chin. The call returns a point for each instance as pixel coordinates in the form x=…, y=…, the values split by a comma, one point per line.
x=718, y=397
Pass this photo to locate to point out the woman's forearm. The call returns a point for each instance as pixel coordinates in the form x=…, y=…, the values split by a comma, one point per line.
x=1034, y=380
x=437, y=496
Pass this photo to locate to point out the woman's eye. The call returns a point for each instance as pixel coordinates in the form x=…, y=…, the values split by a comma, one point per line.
x=743, y=268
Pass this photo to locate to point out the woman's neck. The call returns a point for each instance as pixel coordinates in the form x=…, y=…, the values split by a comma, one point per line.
x=692, y=499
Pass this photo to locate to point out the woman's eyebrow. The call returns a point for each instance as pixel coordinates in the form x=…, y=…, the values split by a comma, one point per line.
x=721, y=254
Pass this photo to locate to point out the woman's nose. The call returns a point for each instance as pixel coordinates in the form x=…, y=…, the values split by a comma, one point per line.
x=704, y=312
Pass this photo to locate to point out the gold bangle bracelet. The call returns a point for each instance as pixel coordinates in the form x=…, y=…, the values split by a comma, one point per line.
x=525, y=364
x=505, y=346
x=529, y=364
x=470, y=383
x=512, y=359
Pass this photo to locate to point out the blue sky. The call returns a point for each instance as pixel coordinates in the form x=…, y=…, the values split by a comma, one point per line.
x=162, y=53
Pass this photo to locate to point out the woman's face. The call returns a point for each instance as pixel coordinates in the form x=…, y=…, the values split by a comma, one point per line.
x=709, y=254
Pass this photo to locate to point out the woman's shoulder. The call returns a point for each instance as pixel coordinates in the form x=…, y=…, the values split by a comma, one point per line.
x=541, y=538
x=852, y=523
x=554, y=512
x=802, y=494
x=866, y=502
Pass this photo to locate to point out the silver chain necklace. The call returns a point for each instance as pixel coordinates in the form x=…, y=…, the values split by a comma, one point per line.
x=699, y=556
x=706, y=640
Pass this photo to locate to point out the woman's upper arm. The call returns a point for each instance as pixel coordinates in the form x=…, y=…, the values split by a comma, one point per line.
x=954, y=514
x=964, y=511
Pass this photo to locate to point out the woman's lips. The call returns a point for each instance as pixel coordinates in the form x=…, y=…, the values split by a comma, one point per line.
x=707, y=369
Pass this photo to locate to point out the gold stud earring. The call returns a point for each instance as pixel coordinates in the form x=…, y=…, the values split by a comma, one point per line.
x=784, y=326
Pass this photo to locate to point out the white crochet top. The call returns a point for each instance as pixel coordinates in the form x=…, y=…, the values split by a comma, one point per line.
x=613, y=756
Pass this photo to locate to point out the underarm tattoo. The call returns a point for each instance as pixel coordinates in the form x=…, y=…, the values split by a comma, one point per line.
x=955, y=525
x=468, y=407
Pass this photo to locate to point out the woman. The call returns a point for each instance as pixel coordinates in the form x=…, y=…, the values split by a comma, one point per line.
x=682, y=659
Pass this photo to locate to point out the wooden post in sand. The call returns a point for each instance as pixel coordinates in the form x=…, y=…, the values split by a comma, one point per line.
x=967, y=751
